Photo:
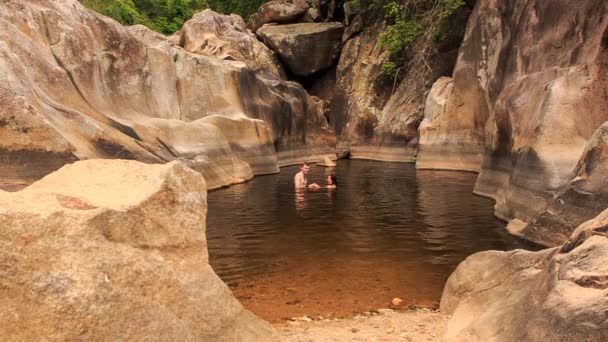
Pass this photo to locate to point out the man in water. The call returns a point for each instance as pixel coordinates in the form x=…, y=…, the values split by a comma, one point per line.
x=300, y=180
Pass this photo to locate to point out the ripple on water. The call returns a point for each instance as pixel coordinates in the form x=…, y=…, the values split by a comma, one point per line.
x=389, y=230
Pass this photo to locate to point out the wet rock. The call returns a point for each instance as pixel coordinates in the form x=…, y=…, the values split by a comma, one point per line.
x=550, y=295
x=226, y=37
x=115, y=250
x=305, y=48
x=278, y=11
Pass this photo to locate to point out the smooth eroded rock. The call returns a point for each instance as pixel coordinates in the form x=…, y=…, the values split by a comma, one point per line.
x=528, y=100
x=77, y=85
x=227, y=37
x=305, y=48
x=550, y=295
x=114, y=250
x=583, y=198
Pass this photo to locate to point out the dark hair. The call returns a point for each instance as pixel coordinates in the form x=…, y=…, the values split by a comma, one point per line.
x=334, y=179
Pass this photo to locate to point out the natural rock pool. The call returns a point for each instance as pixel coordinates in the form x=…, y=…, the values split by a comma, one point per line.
x=387, y=231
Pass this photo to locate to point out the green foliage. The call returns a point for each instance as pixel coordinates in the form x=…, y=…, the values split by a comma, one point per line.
x=167, y=16
x=399, y=35
x=411, y=20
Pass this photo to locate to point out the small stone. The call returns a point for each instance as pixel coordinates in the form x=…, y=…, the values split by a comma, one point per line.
x=305, y=319
x=354, y=330
x=397, y=301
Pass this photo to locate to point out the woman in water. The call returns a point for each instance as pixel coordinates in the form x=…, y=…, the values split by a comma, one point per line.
x=332, y=181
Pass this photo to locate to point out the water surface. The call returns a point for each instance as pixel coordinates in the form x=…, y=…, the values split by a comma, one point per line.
x=387, y=231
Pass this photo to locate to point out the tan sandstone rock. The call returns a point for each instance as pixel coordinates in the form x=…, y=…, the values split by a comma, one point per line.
x=79, y=85
x=551, y=295
x=227, y=37
x=278, y=11
x=112, y=250
x=583, y=198
x=528, y=100
x=305, y=48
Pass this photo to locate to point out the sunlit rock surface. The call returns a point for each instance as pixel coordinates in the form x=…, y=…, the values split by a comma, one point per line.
x=114, y=250
x=227, y=37
x=556, y=294
x=77, y=85
x=306, y=48
x=529, y=90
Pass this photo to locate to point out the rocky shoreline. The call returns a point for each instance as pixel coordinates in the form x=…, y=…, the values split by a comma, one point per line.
x=103, y=247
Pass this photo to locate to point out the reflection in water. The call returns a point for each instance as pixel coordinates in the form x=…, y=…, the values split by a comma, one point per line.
x=387, y=231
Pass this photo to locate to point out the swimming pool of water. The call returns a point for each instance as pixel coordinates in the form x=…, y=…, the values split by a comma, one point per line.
x=387, y=231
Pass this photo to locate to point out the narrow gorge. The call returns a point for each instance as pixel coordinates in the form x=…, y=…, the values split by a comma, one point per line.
x=111, y=137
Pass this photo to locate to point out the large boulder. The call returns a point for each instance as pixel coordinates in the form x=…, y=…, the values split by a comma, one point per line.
x=278, y=11
x=305, y=48
x=551, y=295
x=227, y=37
x=527, y=100
x=77, y=85
x=114, y=250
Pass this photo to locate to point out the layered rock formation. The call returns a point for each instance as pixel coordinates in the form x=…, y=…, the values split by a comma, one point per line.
x=114, y=250
x=552, y=295
x=529, y=90
x=306, y=48
x=77, y=85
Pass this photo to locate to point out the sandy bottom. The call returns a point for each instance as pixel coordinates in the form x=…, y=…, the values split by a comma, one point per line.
x=411, y=325
x=276, y=298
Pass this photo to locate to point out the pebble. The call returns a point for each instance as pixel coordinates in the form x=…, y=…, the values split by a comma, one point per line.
x=354, y=330
x=397, y=301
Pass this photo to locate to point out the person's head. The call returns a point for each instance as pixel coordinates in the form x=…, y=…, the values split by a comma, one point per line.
x=332, y=180
x=305, y=168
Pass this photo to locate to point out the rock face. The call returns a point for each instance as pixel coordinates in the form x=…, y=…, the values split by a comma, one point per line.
x=583, y=198
x=529, y=90
x=278, y=11
x=551, y=295
x=306, y=48
x=77, y=85
x=359, y=96
x=86, y=256
x=227, y=37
